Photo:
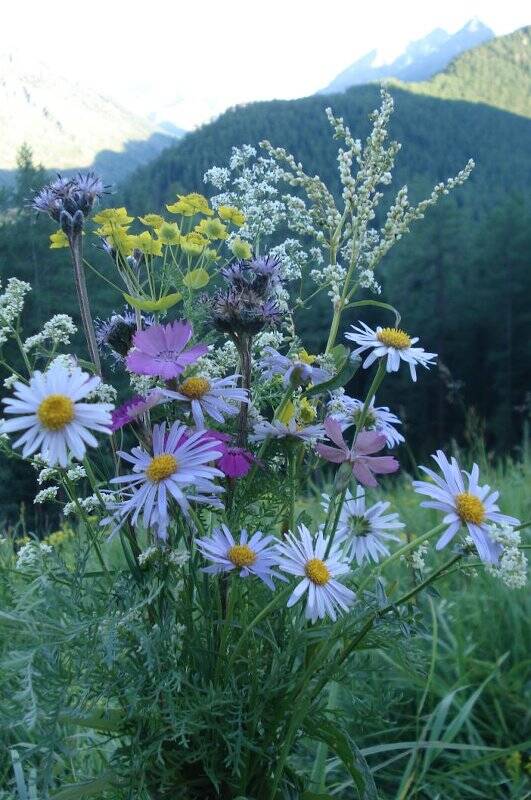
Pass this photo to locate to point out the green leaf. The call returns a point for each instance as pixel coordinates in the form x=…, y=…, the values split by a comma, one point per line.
x=91, y=788
x=348, y=753
x=378, y=304
x=19, y=775
x=196, y=279
x=348, y=369
x=100, y=720
x=145, y=304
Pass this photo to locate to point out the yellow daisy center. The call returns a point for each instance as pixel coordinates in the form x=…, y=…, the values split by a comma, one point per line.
x=194, y=388
x=241, y=555
x=470, y=508
x=317, y=571
x=56, y=411
x=394, y=337
x=161, y=467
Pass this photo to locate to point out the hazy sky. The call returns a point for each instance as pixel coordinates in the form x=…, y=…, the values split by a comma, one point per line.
x=189, y=60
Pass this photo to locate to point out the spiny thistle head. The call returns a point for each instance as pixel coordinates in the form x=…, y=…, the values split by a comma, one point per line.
x=115, y=335
x=69, y=200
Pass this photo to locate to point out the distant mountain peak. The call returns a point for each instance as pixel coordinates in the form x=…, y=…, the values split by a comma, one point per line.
x=419, y=61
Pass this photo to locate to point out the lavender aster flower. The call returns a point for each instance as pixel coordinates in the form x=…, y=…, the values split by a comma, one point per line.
x=391, y=343
x=161, y=350
x=217, y=397
x=347, y=411
x=252, y=556
x=306, y=559
x=363, y=531
x=298, y=370
x=290, y=430
x=178, y=469
x=472, y=505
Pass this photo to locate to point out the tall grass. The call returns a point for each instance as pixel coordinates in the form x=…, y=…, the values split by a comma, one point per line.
x=444, y=716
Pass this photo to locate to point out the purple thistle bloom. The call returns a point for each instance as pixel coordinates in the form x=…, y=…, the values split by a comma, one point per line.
x=161, y=350
x=115, y=334
x=66, y=198
x=364, y=465
x=134, y=408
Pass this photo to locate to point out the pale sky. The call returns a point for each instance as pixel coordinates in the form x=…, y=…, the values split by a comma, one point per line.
x=188, y=61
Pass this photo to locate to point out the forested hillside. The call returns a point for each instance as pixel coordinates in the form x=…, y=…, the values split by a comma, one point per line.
x=461, y=281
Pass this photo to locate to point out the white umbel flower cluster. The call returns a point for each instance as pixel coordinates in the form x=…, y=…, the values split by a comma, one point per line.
x=512, y=566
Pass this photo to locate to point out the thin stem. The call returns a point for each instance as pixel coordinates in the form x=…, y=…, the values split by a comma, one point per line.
x=76, y=251
x=244, y=348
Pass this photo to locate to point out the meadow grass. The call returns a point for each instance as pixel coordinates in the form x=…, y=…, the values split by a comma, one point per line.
x=443, y=716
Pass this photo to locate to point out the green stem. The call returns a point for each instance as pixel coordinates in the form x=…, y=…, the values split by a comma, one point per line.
x=76, y=251
x=93, y=537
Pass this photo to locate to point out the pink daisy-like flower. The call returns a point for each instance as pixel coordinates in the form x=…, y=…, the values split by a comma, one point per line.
x=364, y=465
x=134, y=408
x=160, y=350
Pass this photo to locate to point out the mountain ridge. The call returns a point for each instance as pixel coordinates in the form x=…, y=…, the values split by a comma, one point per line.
x=420, y=60
x=66, y=125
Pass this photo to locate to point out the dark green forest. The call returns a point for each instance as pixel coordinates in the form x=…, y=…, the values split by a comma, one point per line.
x=461, y=279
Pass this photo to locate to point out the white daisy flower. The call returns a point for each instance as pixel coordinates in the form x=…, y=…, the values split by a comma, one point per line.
x=363, y=531
x=472, y=505
x=291, y=430
x=391, y=342
x=347, y=411
x=306, y=559
x=177, y=469
x=217, y=397
x=55, y=423
x=254, y=556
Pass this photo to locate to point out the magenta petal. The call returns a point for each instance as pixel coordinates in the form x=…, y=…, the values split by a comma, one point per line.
x=382, y=464
x=236, y=462
x=369, y=442
x=363, y=474
x=331, y=453
x=333, y=430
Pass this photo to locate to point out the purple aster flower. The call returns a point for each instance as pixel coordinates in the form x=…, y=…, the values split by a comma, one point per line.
x=470, y=505
x=299, y=370
x=134, y=408
x=161, y=350
x=364, y=465
x=251, y=556
x=178, y=469
x=362, y=531
x=217, y=397
x=347, y=411
x=305, y=558
x=290, y=430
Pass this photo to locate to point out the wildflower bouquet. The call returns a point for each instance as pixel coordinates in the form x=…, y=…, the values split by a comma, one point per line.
x=205, y=653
